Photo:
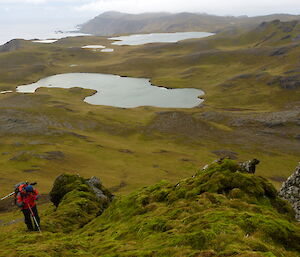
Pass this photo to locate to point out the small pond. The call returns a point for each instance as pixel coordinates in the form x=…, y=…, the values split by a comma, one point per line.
x=125, y=92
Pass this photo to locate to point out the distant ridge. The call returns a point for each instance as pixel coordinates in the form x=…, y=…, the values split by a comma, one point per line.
x=115, y=23
x=12, y=45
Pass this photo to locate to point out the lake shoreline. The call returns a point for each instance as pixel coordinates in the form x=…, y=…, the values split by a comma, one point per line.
x=133, y=92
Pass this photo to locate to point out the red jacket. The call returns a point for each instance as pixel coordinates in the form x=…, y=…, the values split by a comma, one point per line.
x=27, y=199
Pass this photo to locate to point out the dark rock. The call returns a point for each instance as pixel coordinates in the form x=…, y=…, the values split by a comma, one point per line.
x=249, y=166
x=280, y=51
x=290, y=191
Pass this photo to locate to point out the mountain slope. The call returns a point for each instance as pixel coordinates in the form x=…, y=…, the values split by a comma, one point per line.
x=220, y=211
x=111, y=23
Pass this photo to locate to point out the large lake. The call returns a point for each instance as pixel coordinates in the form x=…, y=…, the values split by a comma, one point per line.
x=113, y=90
x=140, y=39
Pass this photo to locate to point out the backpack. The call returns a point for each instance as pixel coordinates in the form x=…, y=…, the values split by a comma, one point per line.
x=20, y=186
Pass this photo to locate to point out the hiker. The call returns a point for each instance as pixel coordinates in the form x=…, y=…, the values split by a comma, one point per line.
x=25, y=199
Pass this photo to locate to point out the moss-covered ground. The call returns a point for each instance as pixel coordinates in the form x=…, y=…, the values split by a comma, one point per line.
x=220, y=211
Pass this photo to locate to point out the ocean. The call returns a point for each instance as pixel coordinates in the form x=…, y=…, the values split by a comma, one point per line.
x=37, y=30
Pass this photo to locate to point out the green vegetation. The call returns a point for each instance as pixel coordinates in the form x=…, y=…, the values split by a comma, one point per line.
x=220, y=211
x=251, y=109
x=247, y=110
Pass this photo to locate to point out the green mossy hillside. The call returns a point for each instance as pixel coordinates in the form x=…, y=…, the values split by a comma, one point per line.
x=218, y=212
x=221, y=211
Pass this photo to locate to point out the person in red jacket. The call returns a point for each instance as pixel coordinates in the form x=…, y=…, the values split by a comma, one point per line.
x=26, y=198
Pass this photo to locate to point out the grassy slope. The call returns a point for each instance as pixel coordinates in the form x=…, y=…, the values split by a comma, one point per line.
x=93, y=138
x=217, y=212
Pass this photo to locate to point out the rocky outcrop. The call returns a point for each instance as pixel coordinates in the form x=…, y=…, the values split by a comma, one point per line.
x=290, y=191
x=101, y=193
x=249, y=166
x=76, y=201
x=66, y=183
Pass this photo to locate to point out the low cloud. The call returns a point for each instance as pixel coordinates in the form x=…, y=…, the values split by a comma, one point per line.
x=219, y=7
x=222, y=7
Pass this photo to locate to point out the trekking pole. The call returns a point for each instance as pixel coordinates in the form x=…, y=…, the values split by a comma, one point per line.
x=5, y=197
x=36, y=223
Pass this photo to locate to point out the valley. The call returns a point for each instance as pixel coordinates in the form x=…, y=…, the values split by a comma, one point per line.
x=251, y=109
x=151, y=145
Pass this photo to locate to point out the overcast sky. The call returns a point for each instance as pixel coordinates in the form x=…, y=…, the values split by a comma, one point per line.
x=16, y=10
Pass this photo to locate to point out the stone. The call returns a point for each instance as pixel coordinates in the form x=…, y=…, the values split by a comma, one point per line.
x=290, y=191
x=249, y=166
x=66, y=183
x=96, y=185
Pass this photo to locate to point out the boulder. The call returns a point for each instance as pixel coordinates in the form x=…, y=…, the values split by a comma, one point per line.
x=249, y=166
x=66, y=183
x=290, y=191
x=76, y=202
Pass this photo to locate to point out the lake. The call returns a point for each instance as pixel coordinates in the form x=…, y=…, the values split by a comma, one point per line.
x=125, y=92
x=140, y=39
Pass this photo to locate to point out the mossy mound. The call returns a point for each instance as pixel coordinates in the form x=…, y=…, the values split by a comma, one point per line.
x=218, y=212
x=76, y=203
